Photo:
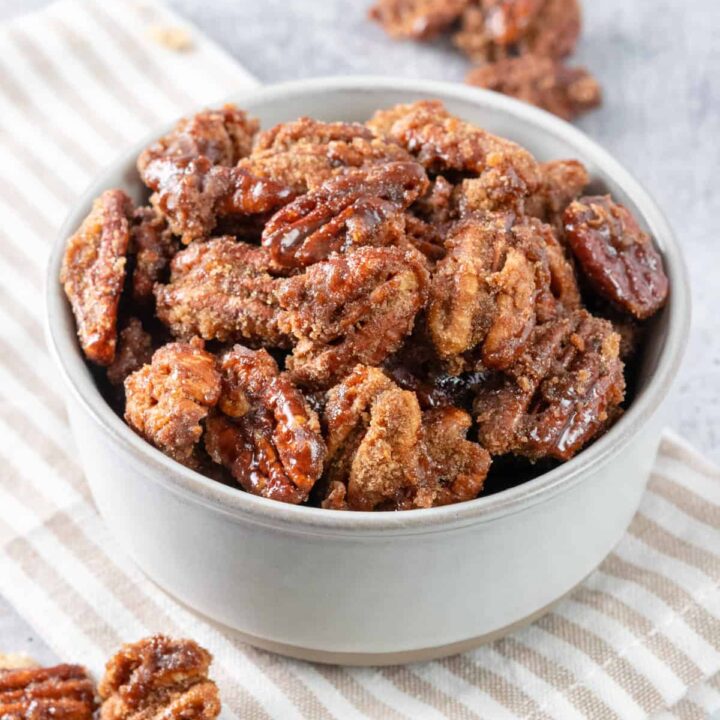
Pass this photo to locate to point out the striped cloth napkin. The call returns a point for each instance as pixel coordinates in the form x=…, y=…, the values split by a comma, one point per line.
x=640, y=638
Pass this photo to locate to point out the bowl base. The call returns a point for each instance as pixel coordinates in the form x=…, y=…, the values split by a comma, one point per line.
x=361, y=659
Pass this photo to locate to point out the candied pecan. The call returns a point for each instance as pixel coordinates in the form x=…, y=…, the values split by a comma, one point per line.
x=153, y=246
x=561, y=392
x=442, y=142
x=63, y=692
x=495, y=29
x=350, y=309
x=383, y=453
x=359, y=207
x=416, y=19
x=169, y=398
x=437, y=205
x=619, y=260
x=541, y=81
x=562, y=182
x=305, y=153
x=492, y=287
x=93, y=273
x=159, y=678
x=424, y=236
x=459, y=466
x=135, y=349
x=267, y=435
x=193, y=173
x=221, y=290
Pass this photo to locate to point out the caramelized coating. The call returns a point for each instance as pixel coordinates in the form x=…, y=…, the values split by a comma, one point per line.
x=305, y=153
x=494, y=285
x=619, y=260
x=562, y=182
x=562, y=391
x=168, y=399
x=437, y=205
x=93, y=273
x=442, y=142
x=384, y=454
x=266, y=433
x=221, y=290
x=495, y=29
x=351, y=309
x=153, y=246
x=135, y=349
x=193, y=173
x=549, y=84
x=360, y=207
x=159, y=678
x=63, y=692
x=416, y=19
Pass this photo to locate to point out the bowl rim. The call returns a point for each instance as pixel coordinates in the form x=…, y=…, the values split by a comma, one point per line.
x=238, y=504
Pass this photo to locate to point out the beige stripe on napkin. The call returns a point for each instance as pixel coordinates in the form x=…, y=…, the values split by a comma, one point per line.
x=78, y=83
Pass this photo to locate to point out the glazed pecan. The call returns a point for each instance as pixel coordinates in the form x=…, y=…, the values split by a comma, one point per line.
x=495, y=29
x=192, y=172
x=496, y=282
x=153, y=246
x=93, y=273
x=416, y=19
x=305, y=153
x=168, y=399
x=542, y=81
x=159, y=678
x=135, y=349
x=444, y=143
x=562, y=182
x=385, y=454
x=350, y=309
x=63, y=692
x=562, y=391
x=221, y=290
x=266, y=434
x=619, y=260
x=360, y=207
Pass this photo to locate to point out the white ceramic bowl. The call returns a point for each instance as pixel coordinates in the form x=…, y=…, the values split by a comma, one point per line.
x=376, y=587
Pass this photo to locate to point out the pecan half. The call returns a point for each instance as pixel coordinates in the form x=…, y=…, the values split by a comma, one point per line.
x=617, y=257
x=266, y=433
x=360, y=207
x=93, y=273
x=416, y=19
x=562, y=391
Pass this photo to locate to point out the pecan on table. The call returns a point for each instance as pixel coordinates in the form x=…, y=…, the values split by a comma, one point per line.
x=417, y=19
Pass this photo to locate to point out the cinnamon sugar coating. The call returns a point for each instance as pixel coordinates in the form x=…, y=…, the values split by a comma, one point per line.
x=93, y=273
x=563, y=390
x=169, y=398
x=135, y=349
x=264, y=432
x=159, y=678
x=416, y=19
x=63, y=692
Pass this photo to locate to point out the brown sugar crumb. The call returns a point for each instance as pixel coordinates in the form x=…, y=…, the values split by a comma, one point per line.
x=360, y=207
x=562, y=182
x=351, y=309
x=417, y=19
x=171, y=37
x=562, y=391
x=541, y=81
x=135, y=349
x=168, y=399
x=616, y=256
x=93, y=273
x=265, y=433
x=63, y=692
x=385, y=454
x=159, y=678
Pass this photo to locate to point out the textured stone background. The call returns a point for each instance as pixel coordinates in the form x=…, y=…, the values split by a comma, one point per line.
x=659, y=62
